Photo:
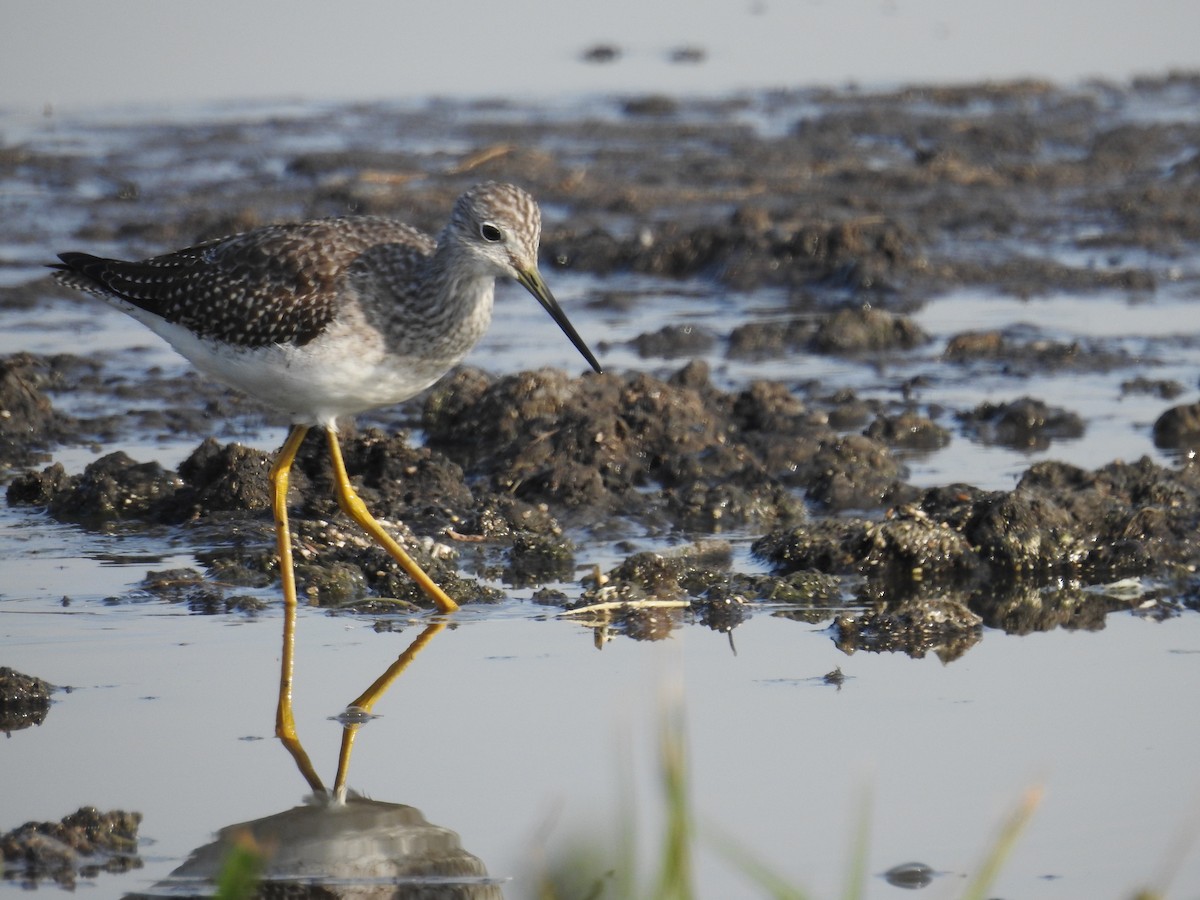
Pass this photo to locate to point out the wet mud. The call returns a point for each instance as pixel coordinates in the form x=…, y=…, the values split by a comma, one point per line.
x=24, y=700
x=859, y=211
x=78, y=848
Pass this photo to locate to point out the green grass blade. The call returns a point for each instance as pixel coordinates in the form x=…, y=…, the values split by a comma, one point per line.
x=770, y=882
x=856, y=876
x=238, y=878
x=675, y=876
x=980, y=885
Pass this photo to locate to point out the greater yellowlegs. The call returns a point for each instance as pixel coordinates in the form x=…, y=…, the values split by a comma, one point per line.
x=332, y=317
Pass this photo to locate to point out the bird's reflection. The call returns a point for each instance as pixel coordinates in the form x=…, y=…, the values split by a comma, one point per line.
x=338, y=844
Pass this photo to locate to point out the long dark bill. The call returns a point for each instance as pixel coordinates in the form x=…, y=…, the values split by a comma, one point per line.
x=532, y=282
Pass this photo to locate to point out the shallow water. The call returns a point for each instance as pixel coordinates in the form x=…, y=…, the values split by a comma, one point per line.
x=511, y=727
x=515, y=731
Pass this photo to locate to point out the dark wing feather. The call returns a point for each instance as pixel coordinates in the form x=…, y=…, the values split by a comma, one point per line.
x=274, y=285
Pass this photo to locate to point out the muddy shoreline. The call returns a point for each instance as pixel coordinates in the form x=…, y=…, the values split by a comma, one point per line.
x=859, y=211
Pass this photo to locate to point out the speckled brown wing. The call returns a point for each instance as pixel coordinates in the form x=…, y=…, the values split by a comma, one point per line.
x=274, y=285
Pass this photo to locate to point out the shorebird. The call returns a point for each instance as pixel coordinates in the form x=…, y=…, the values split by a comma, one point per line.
x=333, y=317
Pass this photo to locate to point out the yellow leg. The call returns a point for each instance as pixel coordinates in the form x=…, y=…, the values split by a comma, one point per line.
x=285, y=723
x=357, y=510
x=280, y=473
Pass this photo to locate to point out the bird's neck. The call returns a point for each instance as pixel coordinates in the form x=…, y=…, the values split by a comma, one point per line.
x=462, y=299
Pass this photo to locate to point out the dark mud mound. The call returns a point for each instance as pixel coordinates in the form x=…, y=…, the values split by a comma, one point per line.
x=1022, y=356
x=29, y=423
x=113, y=488
x=81, y=846
x=1020, y=560
x=412, y=484
x=24, y=700
x=650, y=594
x=676, y=450
x=1178, y=428
x=504, y=459
x=1023, y=424
x=748, y=250
x=221, y=494
x=514, y=465
x=945, y=626
x=844, y=331
x=1123, y=520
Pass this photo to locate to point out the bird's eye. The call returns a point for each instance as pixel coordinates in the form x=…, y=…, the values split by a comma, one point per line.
x=490, y=233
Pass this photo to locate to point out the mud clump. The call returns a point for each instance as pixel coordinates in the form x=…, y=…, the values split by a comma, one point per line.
x=216, y=477
x=1178, y=428
x=852, y=331
x=1015, y=355
x=1060, y=522
x=866, y=330
x=114, y=488
x=1023, y=424
x=944, y=626
x=29, y=423
x=82, y=845
x=201, y=595
x=852, y=472
x=512, y=464
x=605, y=444
x=1163, y=388
x=537, y=559
x=674, y=341
x=786, y=252
x=650, y=594
x=908, y=431
x=395, y=479
x=24, y=700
